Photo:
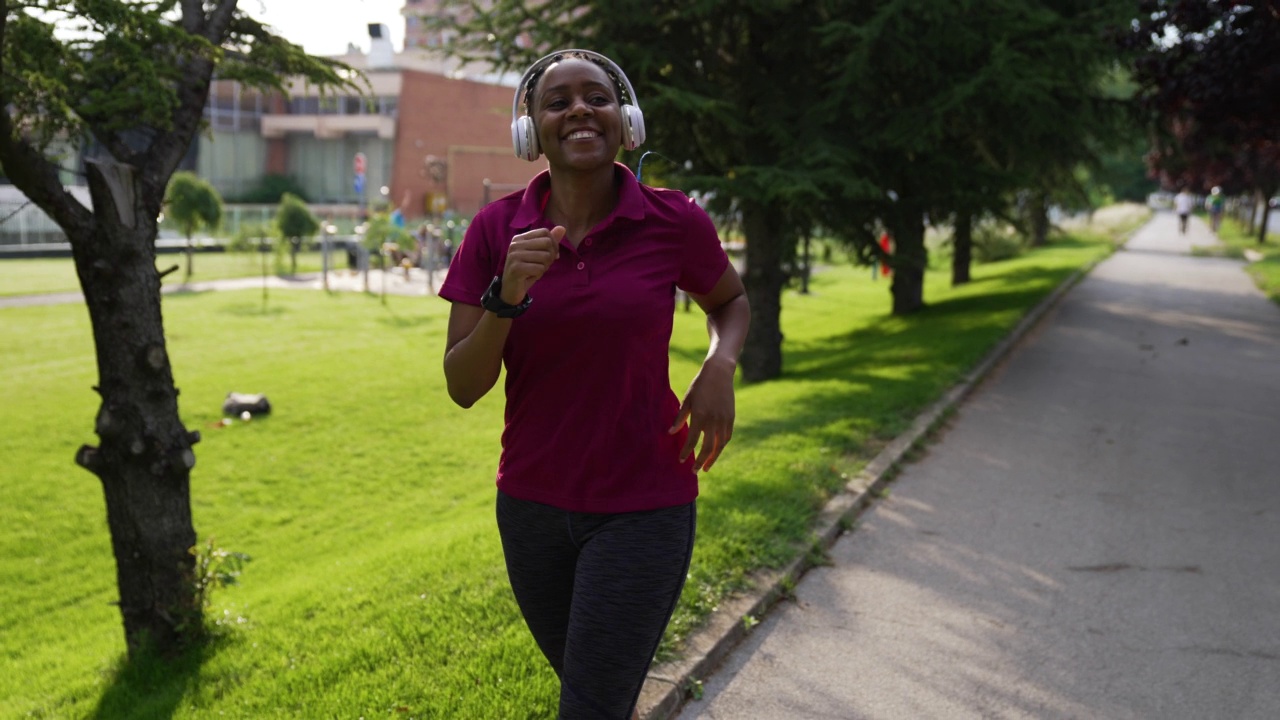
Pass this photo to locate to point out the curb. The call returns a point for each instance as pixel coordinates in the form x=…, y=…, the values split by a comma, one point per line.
x=670, y=684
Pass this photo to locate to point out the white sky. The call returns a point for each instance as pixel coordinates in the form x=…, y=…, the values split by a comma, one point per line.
x=324, y=27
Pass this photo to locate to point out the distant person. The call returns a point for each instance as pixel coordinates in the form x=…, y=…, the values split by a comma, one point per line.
x=568, y=283
x=886, y=247
x=1182, y=204
x=1215, y=204
x=397, y=215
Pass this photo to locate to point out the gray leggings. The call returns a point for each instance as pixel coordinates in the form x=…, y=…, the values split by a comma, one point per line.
x=597, y=591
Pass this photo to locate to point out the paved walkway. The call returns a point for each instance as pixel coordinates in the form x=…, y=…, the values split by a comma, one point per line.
x=1093, y=535
x=393, y=282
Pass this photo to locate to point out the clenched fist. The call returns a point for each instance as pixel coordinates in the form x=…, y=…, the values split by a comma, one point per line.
x=528, y=258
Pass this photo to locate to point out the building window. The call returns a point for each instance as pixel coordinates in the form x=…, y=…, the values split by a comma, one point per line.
x=304, y=106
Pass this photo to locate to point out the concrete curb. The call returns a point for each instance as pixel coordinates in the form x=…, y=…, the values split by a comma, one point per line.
x=669, y=685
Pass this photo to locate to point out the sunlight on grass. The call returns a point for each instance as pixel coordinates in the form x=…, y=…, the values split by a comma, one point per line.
x=376, y=585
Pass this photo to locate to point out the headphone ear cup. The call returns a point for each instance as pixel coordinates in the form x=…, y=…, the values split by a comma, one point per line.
x=524, y=138
x=632, y=127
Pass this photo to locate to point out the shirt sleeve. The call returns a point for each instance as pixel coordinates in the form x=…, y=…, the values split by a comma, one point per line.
x=704, y=259
x=473, y=265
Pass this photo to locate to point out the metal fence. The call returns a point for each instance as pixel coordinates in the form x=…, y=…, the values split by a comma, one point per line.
x=24, y=227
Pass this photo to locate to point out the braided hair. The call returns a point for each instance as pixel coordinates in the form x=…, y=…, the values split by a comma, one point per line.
x=535, y=77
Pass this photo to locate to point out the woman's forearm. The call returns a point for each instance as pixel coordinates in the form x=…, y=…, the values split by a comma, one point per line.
x=727, y=328
x=472, y=365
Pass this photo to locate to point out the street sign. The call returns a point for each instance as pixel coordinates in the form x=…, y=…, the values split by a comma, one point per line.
x=359, y=164
x=359, y=184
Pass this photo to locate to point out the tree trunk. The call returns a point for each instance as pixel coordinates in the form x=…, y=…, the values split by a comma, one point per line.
x=145, y=454
x=962, y=255
x=1266, y=219
x=910, y=258
x=807, y=269
x=190, y=260
x=762, y=354
x=1038, y=214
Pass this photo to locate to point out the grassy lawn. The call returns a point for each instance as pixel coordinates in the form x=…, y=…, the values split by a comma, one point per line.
x=1264, y=260
x=376, y=587
x=57, y=275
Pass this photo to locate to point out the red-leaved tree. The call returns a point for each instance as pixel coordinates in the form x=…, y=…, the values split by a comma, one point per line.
x=1209, y=73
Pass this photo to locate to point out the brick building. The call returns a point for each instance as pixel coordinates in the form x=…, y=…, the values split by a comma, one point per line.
x=434, y=132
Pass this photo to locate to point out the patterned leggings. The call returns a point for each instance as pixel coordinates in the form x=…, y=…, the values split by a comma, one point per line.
x=597, y=591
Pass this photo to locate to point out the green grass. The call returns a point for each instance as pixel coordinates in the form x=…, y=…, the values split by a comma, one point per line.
x=34, y=276
x=1264, y=265
x=376, y=587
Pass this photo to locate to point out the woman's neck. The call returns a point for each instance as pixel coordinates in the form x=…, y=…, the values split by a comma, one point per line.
x=580, y=201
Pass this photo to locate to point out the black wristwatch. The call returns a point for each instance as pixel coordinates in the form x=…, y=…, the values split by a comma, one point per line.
x=493, y=302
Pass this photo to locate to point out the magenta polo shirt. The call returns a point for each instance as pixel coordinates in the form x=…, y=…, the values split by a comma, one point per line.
x=589, y=397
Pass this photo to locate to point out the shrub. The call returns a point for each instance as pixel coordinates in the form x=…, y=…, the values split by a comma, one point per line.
x=271, y=188
x=993, y=242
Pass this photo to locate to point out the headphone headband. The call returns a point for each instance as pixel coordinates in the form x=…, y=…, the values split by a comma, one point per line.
x=537, y=65
x=524, y=134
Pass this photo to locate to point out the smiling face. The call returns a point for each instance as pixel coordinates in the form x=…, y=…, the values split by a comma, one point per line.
x=576, y=112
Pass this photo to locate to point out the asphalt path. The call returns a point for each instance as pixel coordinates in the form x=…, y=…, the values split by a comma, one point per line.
x=1092, y=535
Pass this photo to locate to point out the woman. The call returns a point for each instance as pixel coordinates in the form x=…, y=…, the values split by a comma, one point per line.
x=598, y=474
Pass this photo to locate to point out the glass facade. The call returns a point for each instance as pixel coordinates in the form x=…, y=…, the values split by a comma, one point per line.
x=231, y=161
x=233, y=108
x=323, y=166
x=349, y=105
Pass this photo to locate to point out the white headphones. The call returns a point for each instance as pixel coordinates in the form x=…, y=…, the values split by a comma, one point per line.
x=524, y=136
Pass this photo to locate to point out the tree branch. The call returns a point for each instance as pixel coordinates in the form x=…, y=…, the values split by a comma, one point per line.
x=193, y=19
x=215, y=27
x=32, y=173
x=114, y=144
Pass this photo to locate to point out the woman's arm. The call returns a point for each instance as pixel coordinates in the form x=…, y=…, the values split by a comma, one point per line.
x=473, y=352
x=473, y=349
x=709, y=404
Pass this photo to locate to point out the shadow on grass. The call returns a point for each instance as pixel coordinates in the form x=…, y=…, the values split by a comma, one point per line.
x=858, y=389
x=945, y=337
x=152, y=687
x=1016, y=277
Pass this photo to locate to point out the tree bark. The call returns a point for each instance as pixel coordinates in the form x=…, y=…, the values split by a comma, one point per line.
x=145, y=454
x=910, y=258
x=764, y=278
x=807, y=269
x=1266, y=219
x=962, y=249
x=1038, y=214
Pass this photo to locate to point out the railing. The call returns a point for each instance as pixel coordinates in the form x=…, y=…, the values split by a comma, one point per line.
x=25, y=227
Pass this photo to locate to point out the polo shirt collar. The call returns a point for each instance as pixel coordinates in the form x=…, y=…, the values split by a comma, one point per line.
x=630, y=199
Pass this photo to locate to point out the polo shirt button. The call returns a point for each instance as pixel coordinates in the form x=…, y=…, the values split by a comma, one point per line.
x=581, y=265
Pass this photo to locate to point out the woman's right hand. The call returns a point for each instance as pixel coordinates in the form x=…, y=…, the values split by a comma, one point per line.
x=528, y=257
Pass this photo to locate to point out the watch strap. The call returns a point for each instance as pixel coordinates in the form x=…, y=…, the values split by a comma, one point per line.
x=493, y=302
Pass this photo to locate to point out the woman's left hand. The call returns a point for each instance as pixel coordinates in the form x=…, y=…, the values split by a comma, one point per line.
x=708, y=406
